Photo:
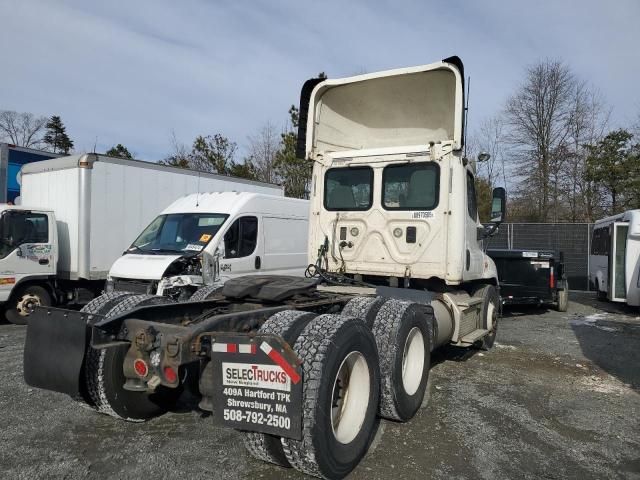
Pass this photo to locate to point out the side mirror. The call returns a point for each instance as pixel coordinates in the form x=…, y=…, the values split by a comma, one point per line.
x=498, y=205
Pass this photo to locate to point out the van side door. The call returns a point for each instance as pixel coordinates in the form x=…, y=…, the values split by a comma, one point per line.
x=285, y=245
x=243, y=247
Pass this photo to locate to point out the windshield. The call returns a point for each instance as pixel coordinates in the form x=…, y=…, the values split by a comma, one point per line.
x=178, y=232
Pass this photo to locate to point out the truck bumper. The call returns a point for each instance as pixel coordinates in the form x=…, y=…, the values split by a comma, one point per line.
x=55, y=349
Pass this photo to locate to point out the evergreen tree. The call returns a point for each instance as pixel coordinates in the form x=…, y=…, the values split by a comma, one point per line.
x=56, y=136
x=119, y=151
x=614, y=164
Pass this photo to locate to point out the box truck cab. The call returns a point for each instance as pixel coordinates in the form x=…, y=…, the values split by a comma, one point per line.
x=205, y=239
x=28, y=257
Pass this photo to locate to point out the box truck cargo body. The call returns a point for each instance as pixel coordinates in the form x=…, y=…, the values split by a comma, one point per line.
x=99, y=205
x=12, y=158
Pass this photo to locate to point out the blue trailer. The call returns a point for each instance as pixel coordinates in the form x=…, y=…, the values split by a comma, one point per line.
x=12, y=158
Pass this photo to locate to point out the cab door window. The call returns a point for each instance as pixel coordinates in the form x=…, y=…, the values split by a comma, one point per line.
x=18, y=228
x=472, y=206
x=241, y=238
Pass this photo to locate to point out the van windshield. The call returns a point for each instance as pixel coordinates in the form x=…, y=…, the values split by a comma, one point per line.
x=178, y=232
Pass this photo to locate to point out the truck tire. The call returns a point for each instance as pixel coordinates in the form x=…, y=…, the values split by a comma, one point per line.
x=203, y=293
x=288, y=324
x=99, y=306
x=339, y=397
x=490, y=310
x=365, y=308
x=105, y=379
x=402, y=334
x=563, y=298
x=25, y=300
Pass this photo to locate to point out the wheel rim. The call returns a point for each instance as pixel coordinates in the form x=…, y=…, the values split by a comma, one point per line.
x=350, y=397
x=413, y=361
x=27, y=303
x=491, y=317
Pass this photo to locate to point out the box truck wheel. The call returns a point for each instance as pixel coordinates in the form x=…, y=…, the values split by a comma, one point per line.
x=105, y=379
x=365, y=308
x=25, y=301
x=401, y=330
x=339, y=397
x=288, y=324
x=490, y=310
x=563, y=298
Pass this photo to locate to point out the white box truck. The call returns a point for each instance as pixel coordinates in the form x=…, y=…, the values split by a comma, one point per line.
x=77, y=215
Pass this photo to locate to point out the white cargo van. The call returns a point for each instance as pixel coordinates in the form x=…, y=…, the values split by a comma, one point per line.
x=244, y=233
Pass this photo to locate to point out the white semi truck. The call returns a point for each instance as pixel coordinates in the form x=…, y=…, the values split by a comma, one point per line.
x=302, y=367
x=77, y=215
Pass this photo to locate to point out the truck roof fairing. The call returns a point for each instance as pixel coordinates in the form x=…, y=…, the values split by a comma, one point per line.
x=405, y=106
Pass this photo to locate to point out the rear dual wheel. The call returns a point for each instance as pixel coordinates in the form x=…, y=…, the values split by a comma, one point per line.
x=103, y=374
x=340, y=396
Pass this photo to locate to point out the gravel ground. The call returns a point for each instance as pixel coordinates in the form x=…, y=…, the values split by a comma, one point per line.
x=557, y=397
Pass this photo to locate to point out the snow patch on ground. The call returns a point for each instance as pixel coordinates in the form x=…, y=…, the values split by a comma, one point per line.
x=507, y=347
x=590, y=321
x=606, y=385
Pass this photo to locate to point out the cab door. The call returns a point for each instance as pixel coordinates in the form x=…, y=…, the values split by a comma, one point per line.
x=473, y=255
x=243, y=248
x=27, y=244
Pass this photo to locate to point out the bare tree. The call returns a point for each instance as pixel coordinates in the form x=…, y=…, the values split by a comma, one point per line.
x=537, y=116
x=263, y=150
x=180, y=156
x=586, y=125
x=490, y=138
x=22, y=128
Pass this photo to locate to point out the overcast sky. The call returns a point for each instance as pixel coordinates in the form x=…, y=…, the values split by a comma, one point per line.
x=132, y=71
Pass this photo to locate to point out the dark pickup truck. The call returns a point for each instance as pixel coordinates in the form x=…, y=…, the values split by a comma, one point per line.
x=531, y=277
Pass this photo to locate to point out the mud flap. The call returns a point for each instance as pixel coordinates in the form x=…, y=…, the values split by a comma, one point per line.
x=55, y=349
x=257, y=384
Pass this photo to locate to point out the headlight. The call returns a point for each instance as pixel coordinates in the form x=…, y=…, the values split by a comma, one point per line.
x=354, y=231
x=397, y=232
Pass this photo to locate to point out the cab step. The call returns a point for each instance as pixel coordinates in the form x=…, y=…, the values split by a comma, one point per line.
x=474, y=336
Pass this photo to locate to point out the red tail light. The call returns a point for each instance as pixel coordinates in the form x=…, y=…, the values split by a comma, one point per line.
x=141, y=368
x=552, y=279
x=170, y=375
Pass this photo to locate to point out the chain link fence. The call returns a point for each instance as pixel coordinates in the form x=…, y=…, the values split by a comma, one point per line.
x=573, y=239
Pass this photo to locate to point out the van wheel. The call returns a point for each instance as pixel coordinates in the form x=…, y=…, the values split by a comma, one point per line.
x=339, y=397
x=402, y=333
x=563, y=298
x=25, y=301
x=105, y=379
x=288, y=324
x=490, y=310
